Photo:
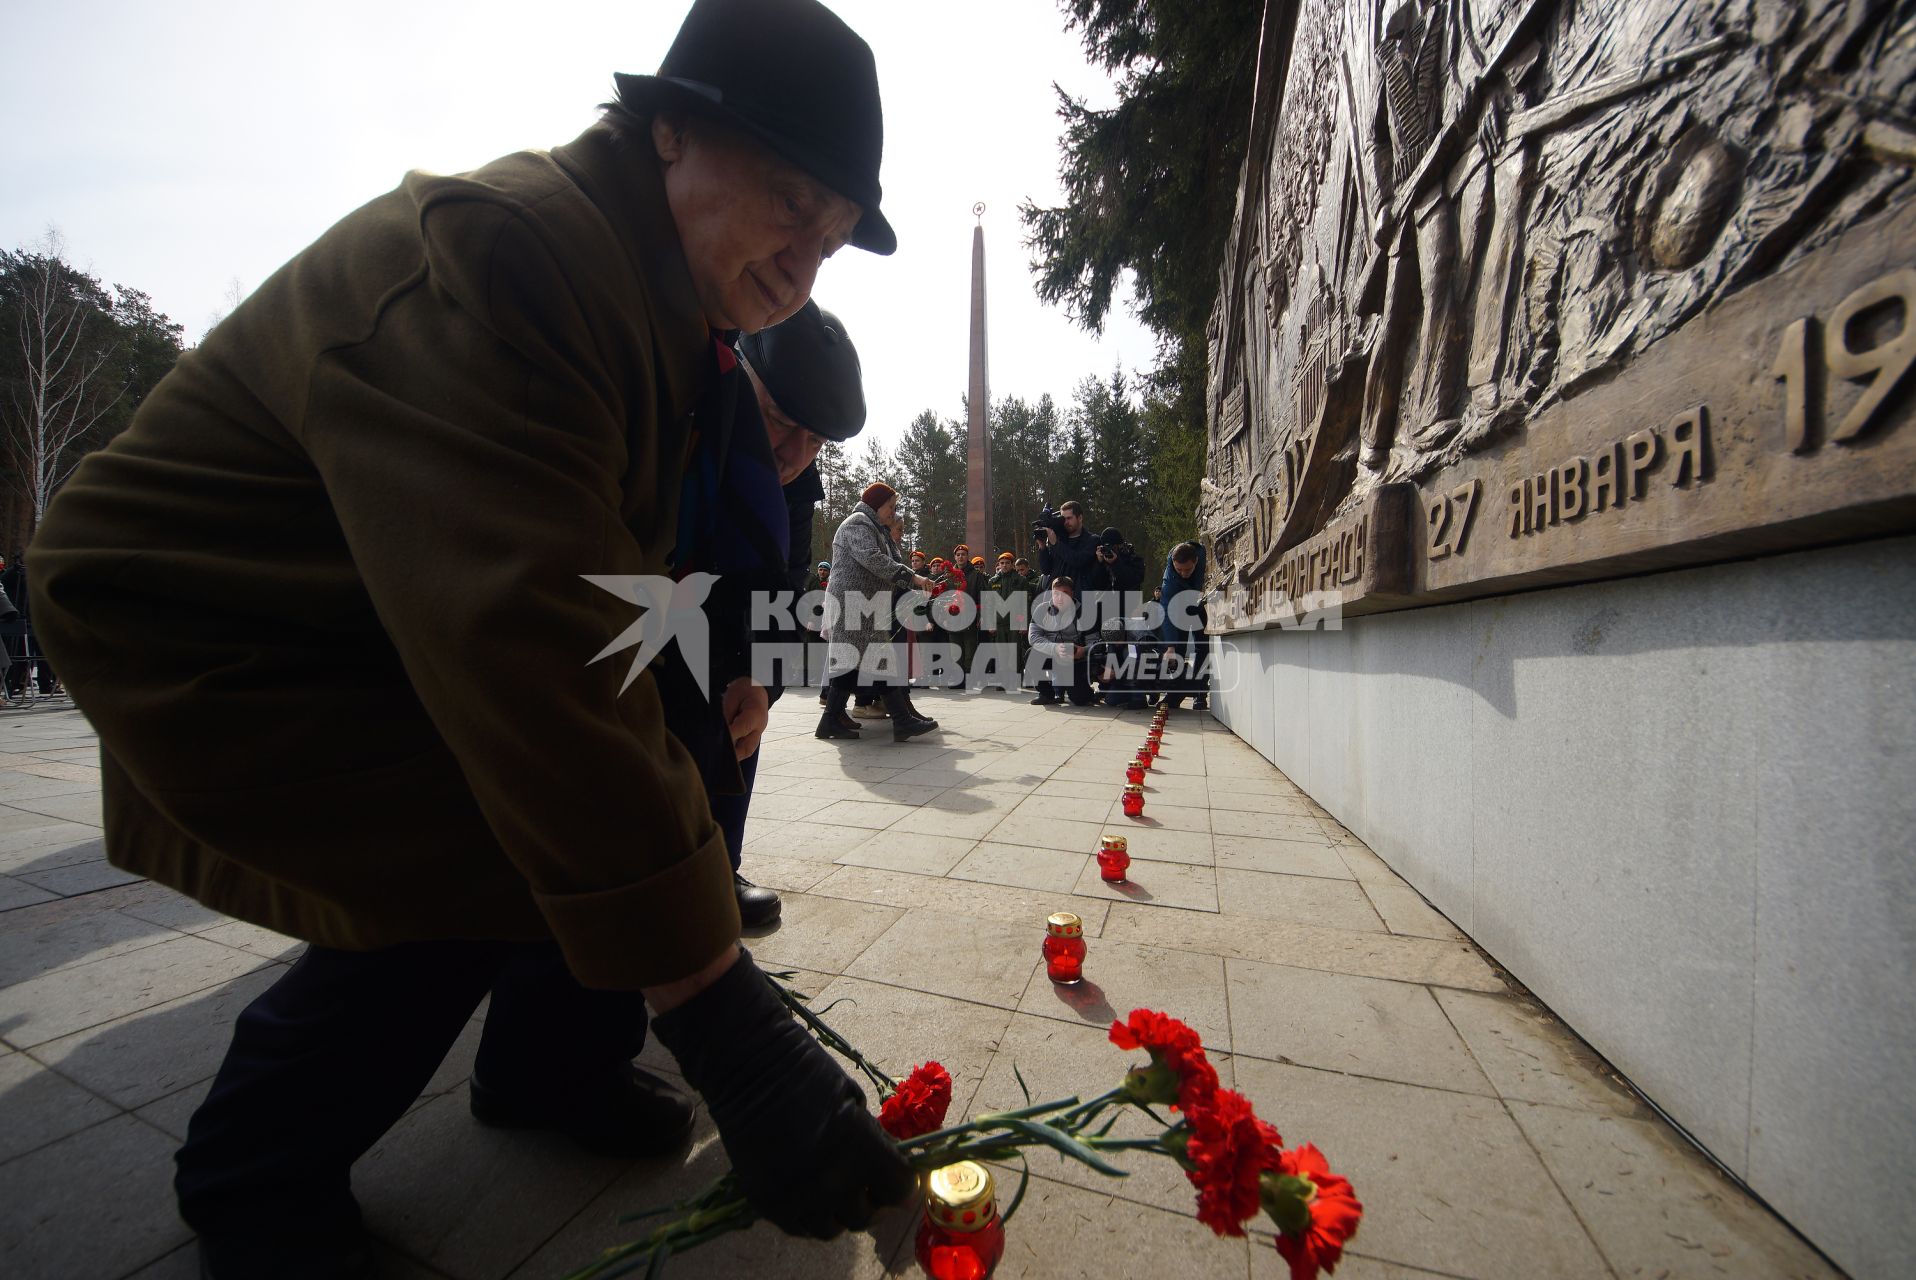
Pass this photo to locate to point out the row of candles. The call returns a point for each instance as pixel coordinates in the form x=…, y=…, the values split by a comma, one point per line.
x=1064, y=932
x=961, y=1237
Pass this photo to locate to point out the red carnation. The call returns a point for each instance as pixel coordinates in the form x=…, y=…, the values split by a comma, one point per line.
x=1179, y=1073
x=917, y=1106
x=1229, y=1150
x=1320, y=1219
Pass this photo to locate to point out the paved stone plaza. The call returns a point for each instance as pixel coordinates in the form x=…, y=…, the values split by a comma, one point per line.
x=1484, y=1139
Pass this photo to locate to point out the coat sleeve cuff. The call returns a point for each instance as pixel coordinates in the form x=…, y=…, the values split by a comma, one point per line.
x=655, y=931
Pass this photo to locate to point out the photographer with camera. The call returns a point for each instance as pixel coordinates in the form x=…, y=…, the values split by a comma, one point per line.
x=1065, y=547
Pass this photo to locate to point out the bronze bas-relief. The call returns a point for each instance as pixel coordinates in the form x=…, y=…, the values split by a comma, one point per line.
x=1524, y=256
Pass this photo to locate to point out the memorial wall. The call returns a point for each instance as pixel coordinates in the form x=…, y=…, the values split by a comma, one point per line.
x=1553, y=322
x=1534, y=291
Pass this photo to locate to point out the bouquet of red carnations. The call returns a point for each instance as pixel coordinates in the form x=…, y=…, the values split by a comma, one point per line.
x=1237, y=1162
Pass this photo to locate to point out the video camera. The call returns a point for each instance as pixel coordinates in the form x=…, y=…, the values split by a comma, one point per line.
x=1047, y=519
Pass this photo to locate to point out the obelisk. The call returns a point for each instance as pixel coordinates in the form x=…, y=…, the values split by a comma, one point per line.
x=978, y=402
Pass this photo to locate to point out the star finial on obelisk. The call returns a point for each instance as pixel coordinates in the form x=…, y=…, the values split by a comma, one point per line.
x=978, y=406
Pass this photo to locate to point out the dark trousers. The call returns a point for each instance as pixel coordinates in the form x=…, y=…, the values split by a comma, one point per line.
x=730, y=811
x=1079, y=689
x=330, y=1056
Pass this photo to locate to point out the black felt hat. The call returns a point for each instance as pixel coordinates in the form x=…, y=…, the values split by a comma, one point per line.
x=810, y=367
x=793, y=75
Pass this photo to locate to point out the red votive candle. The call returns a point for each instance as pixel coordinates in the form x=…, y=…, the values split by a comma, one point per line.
x=1133, y=800
x=960, y=1236
x=1114, y=857
x=1064, y=947
x=1134, y=772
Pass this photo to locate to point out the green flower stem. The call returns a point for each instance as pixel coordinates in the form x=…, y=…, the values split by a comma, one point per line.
x=885, y=1085
x=990, y=1120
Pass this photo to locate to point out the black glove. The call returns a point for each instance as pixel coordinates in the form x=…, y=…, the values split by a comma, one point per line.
x=807, y=1153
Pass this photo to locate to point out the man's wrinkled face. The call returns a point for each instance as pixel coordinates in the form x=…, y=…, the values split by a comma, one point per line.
x=754, y=227
x=793, y=447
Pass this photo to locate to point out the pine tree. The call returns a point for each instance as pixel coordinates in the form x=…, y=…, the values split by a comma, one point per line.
x=1150, y=191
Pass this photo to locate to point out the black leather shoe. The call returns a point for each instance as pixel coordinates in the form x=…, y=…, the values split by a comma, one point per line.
x=294, y=1255
x=903, y=730
x=834, y=726
x=1044, y=702
x=917, y=714
x=634, y=1114
x=757, y=905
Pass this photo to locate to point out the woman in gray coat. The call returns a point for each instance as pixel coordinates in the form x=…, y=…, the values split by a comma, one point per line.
x=865, y=572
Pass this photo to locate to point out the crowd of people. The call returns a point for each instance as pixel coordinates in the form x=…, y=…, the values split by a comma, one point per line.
x=1077, y=629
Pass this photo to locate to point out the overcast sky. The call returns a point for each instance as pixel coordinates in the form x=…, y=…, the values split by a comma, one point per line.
x=179, y=147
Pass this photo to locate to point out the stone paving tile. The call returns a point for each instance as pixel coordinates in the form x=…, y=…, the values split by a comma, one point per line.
x=81, y=807
x=823, y=934
x=787, y=875
x=1337, y=904
x=18, y=893
x=1047, y=870
x=808, y=841
x=963, y=957
x=39, y=1106
x=898, y=1028
x=171, y=1113
x=1157, y=884
x=1363, y=1026
x=471, y=1201
x=57, y=844
x=157, y=904
x=914, y=852
x=1405, y=911
x=761, y=1251
x=1040, y=832
x=17, y=786
x=1447, y=1180
x=1062, y=1060
x=1122, y=976
x=78, y=878
x=86, y=995
x=1145, y=839
x=1067, y=808
x=1165, y=817
x=971, y=824
x=1096, y=1234
x=1257, y=802
x=1368, y=867
x=96, y=1203
x=789, y=806
x=1638, y=1188
x=1072, y=789
x=1374, y=955
x=1531, y=1057
x=959, y=897
x=1285, y=857
x=1267, y=826
x=870, y=815
x=146, y=1055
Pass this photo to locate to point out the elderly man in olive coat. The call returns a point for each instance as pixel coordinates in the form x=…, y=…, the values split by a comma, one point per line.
x=302, y=596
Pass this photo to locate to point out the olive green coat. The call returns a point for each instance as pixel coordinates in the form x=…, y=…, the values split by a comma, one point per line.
x=323, y=599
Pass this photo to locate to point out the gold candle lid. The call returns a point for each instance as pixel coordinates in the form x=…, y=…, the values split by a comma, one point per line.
x=961, y=1197
x=1134, y=788
x=1062, y=924
x=1115, y=844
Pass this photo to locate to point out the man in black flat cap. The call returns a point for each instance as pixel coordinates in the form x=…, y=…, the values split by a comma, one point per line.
x=808, y=389
x=375, y=494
